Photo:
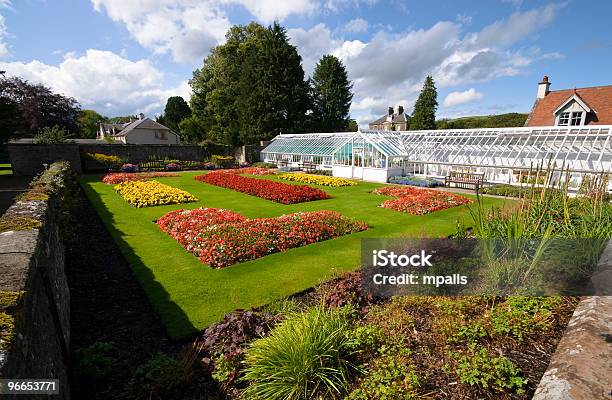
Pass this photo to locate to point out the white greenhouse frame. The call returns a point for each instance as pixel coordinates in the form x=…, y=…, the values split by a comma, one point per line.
x=503, y=155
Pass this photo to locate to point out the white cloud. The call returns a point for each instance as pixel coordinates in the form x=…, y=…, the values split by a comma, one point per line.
x=357, y=25
x=3, y=32
x=467, y=96
x=189, y=28
x=337, y=5
x=103, y=80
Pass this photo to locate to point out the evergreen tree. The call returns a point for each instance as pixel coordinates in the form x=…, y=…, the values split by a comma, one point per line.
x=331, y=95
x=176, y=110
x=424, y=115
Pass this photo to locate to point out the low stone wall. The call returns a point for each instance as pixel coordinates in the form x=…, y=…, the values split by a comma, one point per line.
x=28, y=159
x=34, y=294
x=581, y=368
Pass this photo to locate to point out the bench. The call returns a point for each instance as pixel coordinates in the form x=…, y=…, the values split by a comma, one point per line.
x=307, y=166
x=464, y=180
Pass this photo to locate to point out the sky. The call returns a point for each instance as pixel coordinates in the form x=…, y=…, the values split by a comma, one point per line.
x=123, y=57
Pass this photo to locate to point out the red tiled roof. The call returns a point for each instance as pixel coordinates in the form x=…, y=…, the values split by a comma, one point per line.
x=599, y=98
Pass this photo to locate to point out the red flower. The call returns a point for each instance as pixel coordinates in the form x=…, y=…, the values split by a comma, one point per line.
x=115, y=178
x=221, y=237
x=417, y=201
x=266, y=189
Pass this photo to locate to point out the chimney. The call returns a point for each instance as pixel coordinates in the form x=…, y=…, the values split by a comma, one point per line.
x=400, y=110
x=543, y=87
x=141, y=116
x=390, y=111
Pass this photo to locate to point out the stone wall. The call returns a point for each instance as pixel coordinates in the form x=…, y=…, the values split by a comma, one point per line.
x=34, y=294
x=28, y=159
x=581, y=368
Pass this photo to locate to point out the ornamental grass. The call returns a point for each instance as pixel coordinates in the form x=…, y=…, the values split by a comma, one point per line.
x=416, y=201
x=115, y=178
x=275, y=191
x=318, y=180
x=152, y=193
x=221, y=238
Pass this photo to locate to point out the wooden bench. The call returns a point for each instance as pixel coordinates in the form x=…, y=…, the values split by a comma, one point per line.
x=307, y=166
x=465, y=180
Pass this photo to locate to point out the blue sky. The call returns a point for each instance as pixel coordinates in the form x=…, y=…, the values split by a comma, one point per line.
x=128, y=56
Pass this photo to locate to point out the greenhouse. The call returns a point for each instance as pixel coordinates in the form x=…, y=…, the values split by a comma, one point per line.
x=503, y=155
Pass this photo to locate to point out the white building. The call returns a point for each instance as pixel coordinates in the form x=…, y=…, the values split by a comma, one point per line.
x=141, y=131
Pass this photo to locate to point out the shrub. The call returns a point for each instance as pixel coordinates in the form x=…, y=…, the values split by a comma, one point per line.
x=129, y=168
x=318, y=180
x=264, y=165
x=419, y=201
x=94, y=363
x=105, y=160
x=51, y=135
x=221, y=238
x=223, y=161
x=412, y=180
x=158, y=378
x=274, y=191
x=223, y=343
x=173, y=167
x=152, y=193
x=308, y=356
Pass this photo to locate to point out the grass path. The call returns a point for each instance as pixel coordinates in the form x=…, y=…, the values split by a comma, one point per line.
x=189, y=295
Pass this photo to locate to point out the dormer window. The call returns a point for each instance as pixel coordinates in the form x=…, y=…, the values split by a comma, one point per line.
x=564, y=119
x=577, y=119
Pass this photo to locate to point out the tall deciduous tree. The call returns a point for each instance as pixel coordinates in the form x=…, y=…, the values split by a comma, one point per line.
x=176, y=111
x=424, y=115
x=89, y=123
x=36, y=107
x=331, y=95
x=250, y=88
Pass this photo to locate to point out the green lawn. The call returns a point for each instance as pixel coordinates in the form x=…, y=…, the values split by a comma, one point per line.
x=189, y=295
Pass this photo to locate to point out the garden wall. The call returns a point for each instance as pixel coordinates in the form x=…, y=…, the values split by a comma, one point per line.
x=580, y=368
x=28, y=158
x=34, y=294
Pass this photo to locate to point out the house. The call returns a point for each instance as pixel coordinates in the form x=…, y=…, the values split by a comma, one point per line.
x=395, y=120
x=141, y=131
x=571, y=107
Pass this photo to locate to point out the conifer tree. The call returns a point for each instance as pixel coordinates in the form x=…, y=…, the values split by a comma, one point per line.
x=424, y=115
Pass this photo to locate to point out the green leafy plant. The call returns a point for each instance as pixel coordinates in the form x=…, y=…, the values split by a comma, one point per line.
x=94, y=363
x=520, y=315
x=223, y=161
x=307, y=356
x=51, y=135
x=481, y=369
x=159, y=378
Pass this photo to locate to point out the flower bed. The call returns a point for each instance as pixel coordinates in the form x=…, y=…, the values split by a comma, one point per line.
x=318, y=180
x=269, y=190
x=412, y=180
x=152, y=193
x=419, y=201
x=221, y=238
x=115, y=178
x=249, y=171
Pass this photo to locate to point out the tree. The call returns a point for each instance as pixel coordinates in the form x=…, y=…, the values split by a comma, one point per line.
x=88, y=122
x=192, y=130
x=51, y=135
x=331, y=95
x=352, y=126
x=176, y=111
x=34, y=107
x=250, y=88
x=273, y=96
x=424, y=115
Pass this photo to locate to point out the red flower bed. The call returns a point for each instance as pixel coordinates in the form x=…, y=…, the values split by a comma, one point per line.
x=270, y=190
x=115, y=178
x=416, y=201
x=221, y=238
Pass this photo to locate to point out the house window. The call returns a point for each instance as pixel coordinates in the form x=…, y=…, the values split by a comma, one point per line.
x=576, y=118
x=564, y=119
x=163, y=135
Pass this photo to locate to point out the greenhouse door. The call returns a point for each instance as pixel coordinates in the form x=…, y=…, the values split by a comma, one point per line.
x=358, y=163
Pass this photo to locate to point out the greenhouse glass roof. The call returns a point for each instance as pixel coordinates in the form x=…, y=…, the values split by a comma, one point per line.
x=319, y=144
x=587, y=148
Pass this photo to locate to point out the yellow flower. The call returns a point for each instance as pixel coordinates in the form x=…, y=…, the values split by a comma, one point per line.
x=318, y=179
x=152, y=193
